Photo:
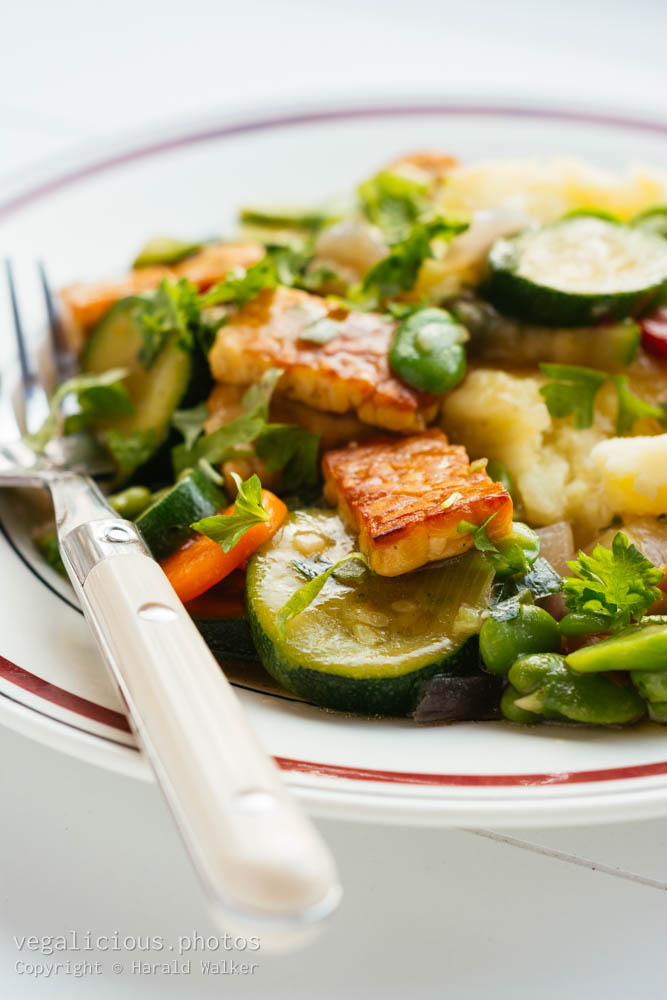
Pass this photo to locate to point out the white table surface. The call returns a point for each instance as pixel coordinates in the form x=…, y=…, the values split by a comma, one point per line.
x=578, y=912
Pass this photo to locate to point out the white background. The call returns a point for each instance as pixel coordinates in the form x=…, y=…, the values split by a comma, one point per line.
x=426, y=913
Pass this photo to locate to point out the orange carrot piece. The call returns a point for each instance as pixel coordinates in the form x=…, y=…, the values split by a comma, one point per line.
x=200, y=562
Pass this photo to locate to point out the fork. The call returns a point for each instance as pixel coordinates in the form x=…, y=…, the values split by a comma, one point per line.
x=262, y=863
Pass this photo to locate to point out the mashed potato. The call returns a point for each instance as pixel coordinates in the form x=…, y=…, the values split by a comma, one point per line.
x=502, y=416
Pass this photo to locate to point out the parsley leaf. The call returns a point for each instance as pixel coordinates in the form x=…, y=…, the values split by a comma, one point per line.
x=292, y=449
x=393, y=203
x=104, y=401
x=397, y=272
x=280, y=265
x=572, y=392
x=228, y=529
x=514, y=554
x=190, y=423
x=173, y=308
x=109, y=391
x=631, y=408
x=244, y=430
x=480, y=537
x=129, y=451
x=618, y=583
x=306, y=594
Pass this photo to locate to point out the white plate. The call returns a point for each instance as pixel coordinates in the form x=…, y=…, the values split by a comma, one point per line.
x=88, y=218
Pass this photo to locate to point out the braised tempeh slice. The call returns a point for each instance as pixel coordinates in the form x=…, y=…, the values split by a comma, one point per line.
x=406, y=498
x=350, y=372
x=85, y=303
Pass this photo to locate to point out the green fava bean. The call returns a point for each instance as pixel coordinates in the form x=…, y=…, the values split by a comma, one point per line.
x=657, y=711
x=651, y=684
x=583, y=623
x=551, y=689
x=533, y=630
x=132, y=502
x=511, y=712
x=427, y=351
x=638, y=647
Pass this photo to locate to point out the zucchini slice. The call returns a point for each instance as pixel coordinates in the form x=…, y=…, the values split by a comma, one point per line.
x=219, y=614
x=166, y=523
x=155, y=392
x=501, y=340
x=577, y=271
x=653, y=220
x=367, y=644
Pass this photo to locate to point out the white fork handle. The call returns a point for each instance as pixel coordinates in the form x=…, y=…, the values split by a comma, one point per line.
x=260, y=858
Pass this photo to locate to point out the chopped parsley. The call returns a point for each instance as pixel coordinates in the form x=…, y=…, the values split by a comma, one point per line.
x=306, y=594
x=397, y=272
x=572, y=392
x=513, y=555
x=280, y=266
x=228, y=529
x=631, y=408
x=392, y=202
x=619, y=584
x=190, y=423
x=173, y=309
x=129, y=451
x=101, y=396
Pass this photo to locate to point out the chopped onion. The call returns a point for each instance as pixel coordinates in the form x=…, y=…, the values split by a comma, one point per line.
x=557, y=545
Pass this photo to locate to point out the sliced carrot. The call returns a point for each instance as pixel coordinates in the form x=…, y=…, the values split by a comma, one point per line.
x=200, y=562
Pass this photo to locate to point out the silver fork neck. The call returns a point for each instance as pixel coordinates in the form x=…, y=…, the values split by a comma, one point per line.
x=76, y=500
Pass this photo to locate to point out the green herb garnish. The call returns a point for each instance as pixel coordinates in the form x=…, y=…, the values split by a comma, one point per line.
x=397, y=272
x=306, y=594
x=228, y=529
x=190, y=423
x=631, y=408
x=619, y=584
x=292, y=449
x=173, y=309
x=129, y=451
x=392, y=202
x=572, y=392
x=99, y=395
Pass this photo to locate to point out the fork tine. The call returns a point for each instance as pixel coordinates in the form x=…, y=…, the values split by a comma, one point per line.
x=35, y=399
x=62, y=358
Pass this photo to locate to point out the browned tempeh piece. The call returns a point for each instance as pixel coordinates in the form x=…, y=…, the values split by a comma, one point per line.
x=406, y=498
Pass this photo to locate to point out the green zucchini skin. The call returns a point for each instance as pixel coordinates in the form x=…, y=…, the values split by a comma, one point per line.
x=228, y=637
x=166, y=523
x=370, y=696
x=331, y=656
x=155, y=392
x=552, y=300
x=496, y=339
